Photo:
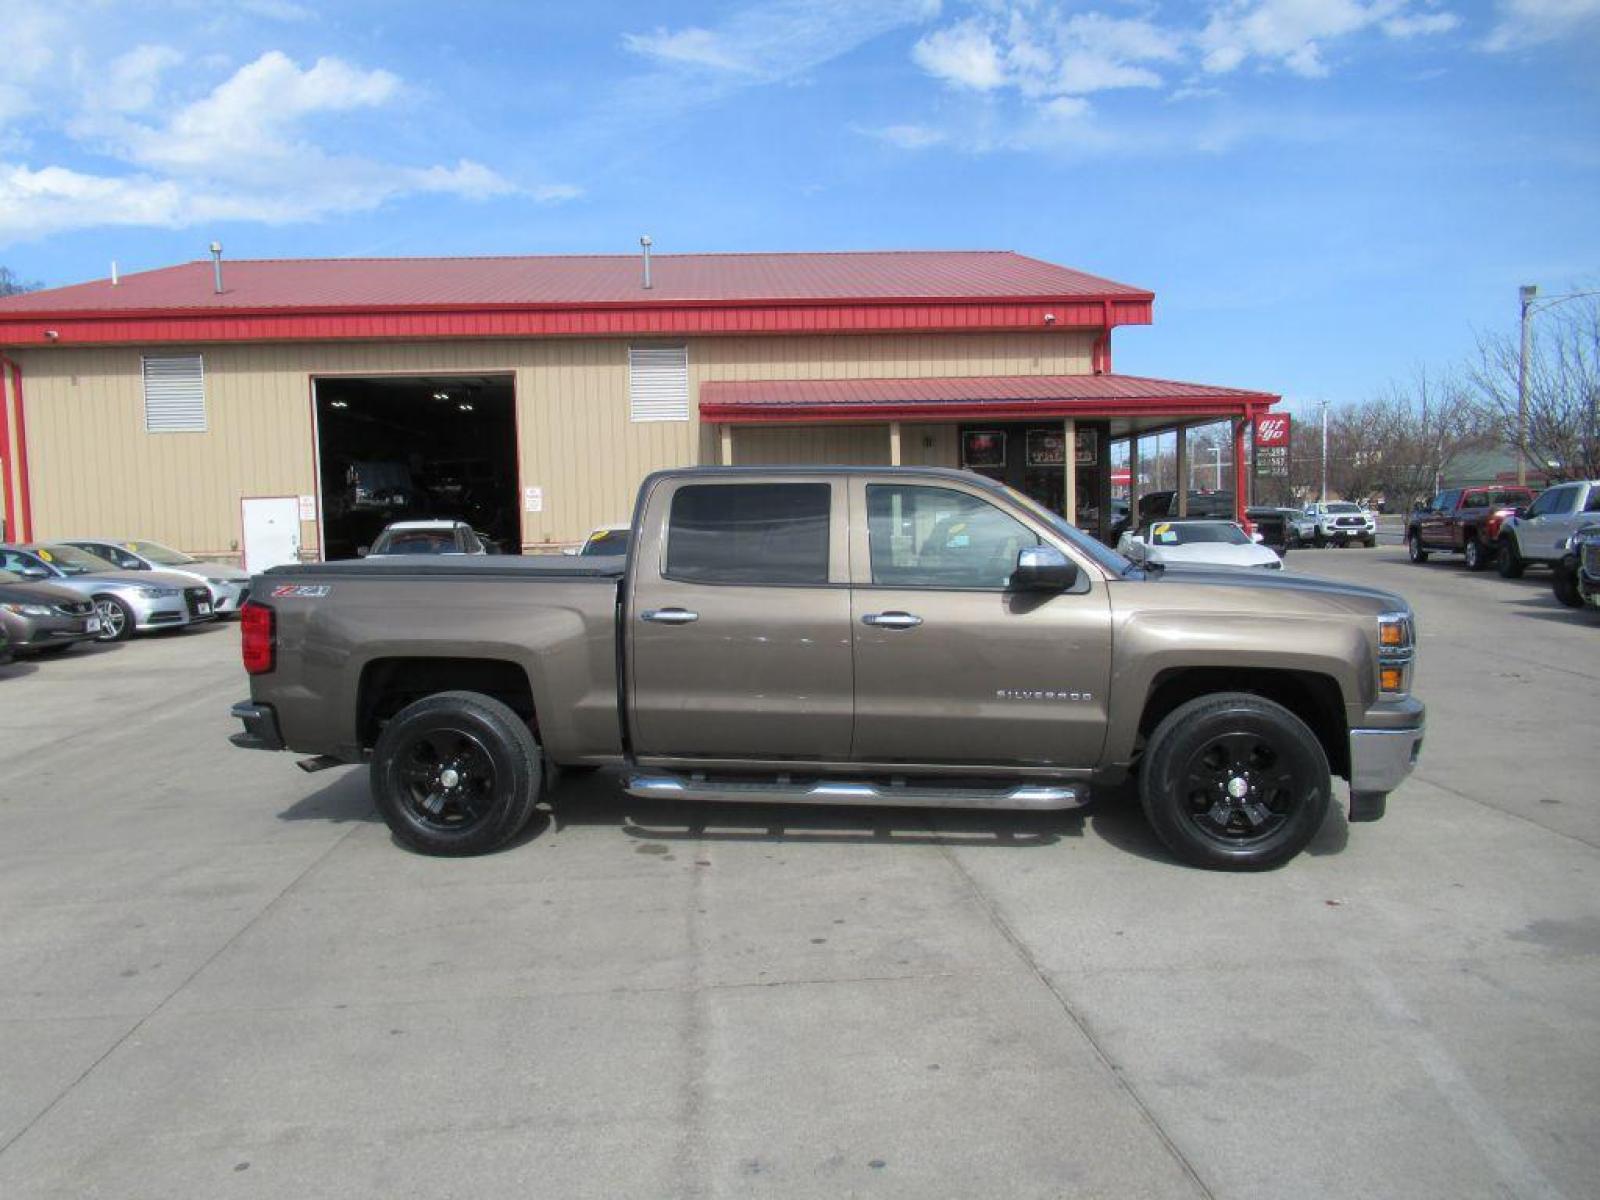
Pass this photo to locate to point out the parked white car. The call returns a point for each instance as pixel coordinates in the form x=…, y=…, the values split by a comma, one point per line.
x=230, y=586
x=1198, y=543
x=424, y=537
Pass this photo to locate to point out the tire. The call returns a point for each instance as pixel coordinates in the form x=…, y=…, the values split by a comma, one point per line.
x=1477, y=558
x=1564, y=583
x=1370, y=541
x=1212, y=744
x=1414, y=548
x=1320, y=540
x=486, y=747
x=1508, y=561
x=116, y=619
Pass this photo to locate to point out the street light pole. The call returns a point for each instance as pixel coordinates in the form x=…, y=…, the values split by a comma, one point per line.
x=1526, y=293
x=1324, y=405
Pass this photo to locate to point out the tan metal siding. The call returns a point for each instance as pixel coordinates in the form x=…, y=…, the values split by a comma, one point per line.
x=96, y=471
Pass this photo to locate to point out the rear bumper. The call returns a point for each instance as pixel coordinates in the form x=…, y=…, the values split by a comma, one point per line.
x=260, y=727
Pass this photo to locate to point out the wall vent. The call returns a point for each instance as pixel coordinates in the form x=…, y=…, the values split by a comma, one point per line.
x=174, y=394
x=658, y=383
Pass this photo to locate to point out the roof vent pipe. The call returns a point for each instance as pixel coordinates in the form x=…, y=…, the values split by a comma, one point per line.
x=644, y=244
x=216, y=267
x=113, y=272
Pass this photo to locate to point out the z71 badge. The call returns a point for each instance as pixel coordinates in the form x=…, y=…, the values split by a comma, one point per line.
x=301, y=591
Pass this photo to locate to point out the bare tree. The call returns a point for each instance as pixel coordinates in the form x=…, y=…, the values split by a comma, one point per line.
x=10, y=285
x=1563, y=390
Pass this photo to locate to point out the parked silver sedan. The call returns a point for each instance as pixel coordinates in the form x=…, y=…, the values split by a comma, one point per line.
x=43, y=618
x=230, y=586
x=126, y=601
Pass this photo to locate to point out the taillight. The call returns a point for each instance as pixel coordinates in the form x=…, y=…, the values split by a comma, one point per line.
x=258, y=640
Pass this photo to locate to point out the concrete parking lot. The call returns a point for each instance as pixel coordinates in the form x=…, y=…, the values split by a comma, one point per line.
x=219, y=976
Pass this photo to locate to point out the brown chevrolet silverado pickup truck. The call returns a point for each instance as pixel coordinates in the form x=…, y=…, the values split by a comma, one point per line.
x=872, y=636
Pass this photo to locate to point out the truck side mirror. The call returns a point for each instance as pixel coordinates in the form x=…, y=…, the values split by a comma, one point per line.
x=1043, y=569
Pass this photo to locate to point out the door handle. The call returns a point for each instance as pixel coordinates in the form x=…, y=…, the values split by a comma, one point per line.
x=669, y=616
x=892, y=620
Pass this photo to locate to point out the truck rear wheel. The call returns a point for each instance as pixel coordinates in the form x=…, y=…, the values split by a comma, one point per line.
x=456, y=773
x=1234, y=782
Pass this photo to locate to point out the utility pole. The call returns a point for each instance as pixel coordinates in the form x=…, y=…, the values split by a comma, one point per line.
x=1526, y=293
x=1323, y=404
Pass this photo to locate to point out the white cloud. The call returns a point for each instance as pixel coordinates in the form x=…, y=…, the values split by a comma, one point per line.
x=1293, y=33
x=777, y=40
x=1044, y=54
x=697, y=47
x=964, y=55
x=244, y=151
x=907, y=137
x=1523, y=23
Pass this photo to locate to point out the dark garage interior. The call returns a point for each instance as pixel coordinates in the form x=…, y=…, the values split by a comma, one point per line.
x=407, y=447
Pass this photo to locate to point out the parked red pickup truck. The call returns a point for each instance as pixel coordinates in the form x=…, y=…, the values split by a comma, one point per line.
x=1463, y=521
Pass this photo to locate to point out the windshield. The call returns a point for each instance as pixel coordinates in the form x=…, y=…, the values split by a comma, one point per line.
x=1105, y=557
x=415, y=541
x=163, y=556
x=72, y=561
x=1341, y=507
x=1173, y=534
x=606, y=541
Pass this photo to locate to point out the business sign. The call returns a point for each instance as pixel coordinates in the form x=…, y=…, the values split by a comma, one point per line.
x=1272, y=430
x=983, y=448
x=1047, y=448
x=1272, y=446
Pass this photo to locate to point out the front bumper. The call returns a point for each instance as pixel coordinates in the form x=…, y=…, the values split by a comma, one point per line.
x=1380, y=759
x=155, y=612
x=228, y=595
x=260, y=727
x=30, y=633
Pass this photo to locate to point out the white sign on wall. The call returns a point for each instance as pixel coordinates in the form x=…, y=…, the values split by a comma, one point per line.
x=532, y=499
x=308, y=508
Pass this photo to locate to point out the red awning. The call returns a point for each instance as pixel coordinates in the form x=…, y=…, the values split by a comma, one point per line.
x=982, y=397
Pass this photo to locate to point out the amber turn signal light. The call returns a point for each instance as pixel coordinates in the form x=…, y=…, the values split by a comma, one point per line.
x=1392, y=634
x=1392, y=679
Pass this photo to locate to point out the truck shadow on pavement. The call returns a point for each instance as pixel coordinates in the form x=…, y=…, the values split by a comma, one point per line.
x=598, y=800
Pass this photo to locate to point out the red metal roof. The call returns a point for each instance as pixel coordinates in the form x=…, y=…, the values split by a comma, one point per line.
x=982, y=397
x=368, y=284
x=593, y=296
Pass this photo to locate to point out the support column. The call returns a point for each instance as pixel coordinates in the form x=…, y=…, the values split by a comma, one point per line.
x=1181, y=458
x=727, y=445
x=894, y=443
x=1133, y=481
x=1241, y=482
x=1069, y=501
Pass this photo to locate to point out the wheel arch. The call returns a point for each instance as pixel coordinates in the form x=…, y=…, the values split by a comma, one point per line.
x=1315, y=698
x=389, y=684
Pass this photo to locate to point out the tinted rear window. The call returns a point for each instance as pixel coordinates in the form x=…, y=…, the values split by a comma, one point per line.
x=749, y=533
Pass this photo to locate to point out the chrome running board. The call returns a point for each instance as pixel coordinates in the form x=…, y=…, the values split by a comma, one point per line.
x=1024, y=797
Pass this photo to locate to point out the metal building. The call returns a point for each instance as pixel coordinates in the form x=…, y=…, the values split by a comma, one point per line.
x=243, y=407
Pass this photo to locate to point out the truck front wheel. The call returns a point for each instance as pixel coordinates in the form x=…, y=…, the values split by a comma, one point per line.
x=1414, y=547
x=1472, y=550
x=1508, y=560
x=1234, y=782
x=456, y=773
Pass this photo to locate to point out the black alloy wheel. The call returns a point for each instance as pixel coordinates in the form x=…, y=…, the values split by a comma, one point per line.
x=456, y=773
x=1234, y=781
x=116, y=619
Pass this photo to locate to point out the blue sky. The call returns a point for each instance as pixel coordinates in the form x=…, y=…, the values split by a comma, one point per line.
x=1322, y=193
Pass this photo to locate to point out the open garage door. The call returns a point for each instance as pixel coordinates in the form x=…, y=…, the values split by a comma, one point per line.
x=404, y=447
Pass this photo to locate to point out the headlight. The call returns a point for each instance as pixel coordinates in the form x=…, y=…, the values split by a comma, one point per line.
x=157, y=593
x=1397, y=651
x=27, y=610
